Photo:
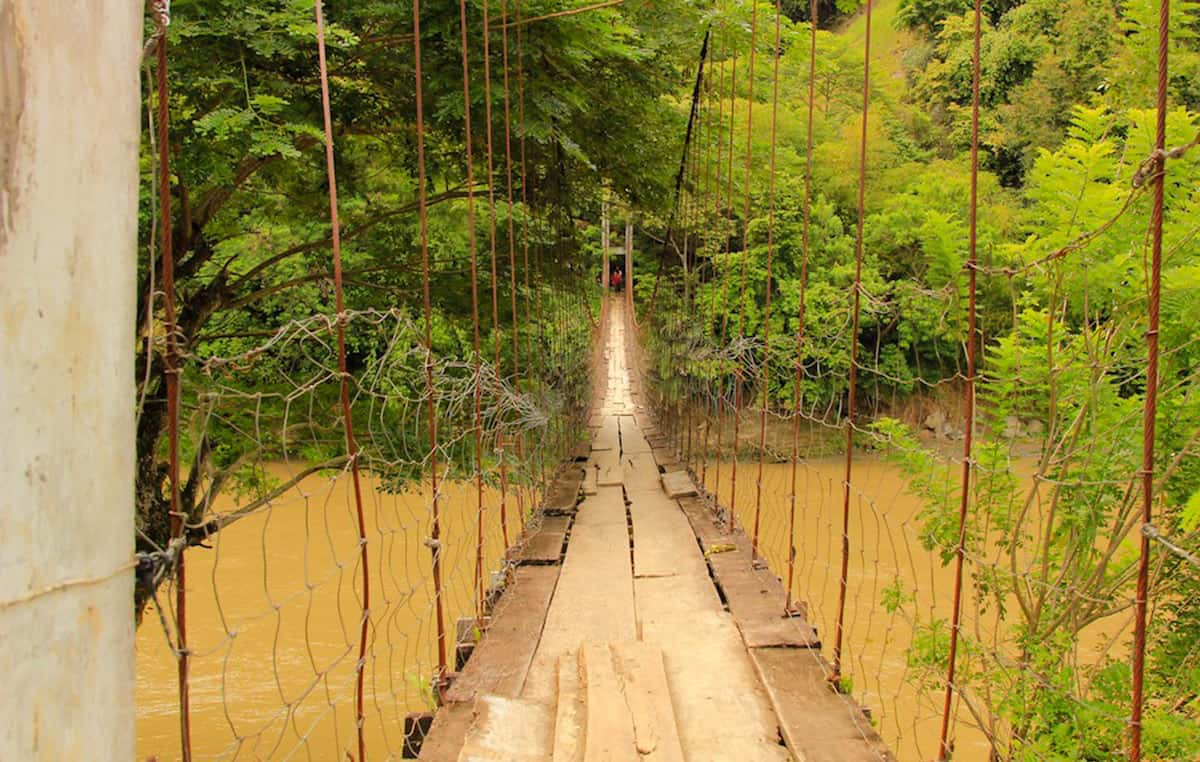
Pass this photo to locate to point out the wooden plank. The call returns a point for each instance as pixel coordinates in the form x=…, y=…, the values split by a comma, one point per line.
x=569, y=728
x=502, y=658
x=818, y=724
x=632, y=439
x=666, y=457
x=546, y=544
x=609, y=722
x=509, y=730
x=656, y=516
x=445, y=739
x=755, y=597
x=678, y=484
x=644, y=681
x=721, y=709
x=708, y=669
x=607, y=464
x=703, y=522
x=564, y=491
x=639, y=471
x=757, y=601
x=593, y=600
x=608, y=437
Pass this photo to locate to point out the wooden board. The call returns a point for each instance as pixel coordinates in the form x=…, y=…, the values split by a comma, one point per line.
x=639, y=471
x=678, y=484
x=721, y=709
x=666, y=457
x=703, y=522
x=608, y=437
x=644, y=682
x=564, y=491
x=817, y=724
x=593, y=600
x=569, y=718
x=445, y=739
x=632, y=439
x=711, y=677
x=756, y=600
x=509, y=730
x=609, y=735
x=755, y=597
x=546, y=544
x=655, y=517
x=502, y=658
x=607, y=464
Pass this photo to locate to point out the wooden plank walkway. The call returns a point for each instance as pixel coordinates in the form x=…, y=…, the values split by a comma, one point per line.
x=635, y=644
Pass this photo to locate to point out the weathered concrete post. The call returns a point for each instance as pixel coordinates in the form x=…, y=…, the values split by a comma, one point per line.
x=68, y=210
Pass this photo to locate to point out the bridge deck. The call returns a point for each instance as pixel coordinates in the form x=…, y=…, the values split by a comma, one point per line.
x=637, y=644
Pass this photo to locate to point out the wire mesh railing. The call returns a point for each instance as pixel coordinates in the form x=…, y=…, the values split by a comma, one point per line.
x=349, y=478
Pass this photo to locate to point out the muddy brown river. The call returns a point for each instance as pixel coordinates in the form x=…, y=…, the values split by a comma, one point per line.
x=885, y=552
x=273, y=623
x=273, y=612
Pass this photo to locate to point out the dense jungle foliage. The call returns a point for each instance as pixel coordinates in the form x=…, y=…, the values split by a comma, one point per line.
x=597, y=109
x=1067, y=126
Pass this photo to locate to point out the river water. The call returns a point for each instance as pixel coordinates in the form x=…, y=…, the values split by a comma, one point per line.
x=273, y=614
x=273, y=611
x=885, y=552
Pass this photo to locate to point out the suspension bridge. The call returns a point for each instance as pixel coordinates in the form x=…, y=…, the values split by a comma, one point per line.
x=639, y=627
x=477, y=505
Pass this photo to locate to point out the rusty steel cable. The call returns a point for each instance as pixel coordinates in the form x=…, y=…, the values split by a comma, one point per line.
x=766, y=380
x=491, y=173
x=532, y=357
x=968, y=393
x=512, y=251
x=710, y=202
x=171, y=373
x=725, y=276
x=431, y=389
x=798, y=393
x=513, y=259
x=679, y=175
x=738, y=372
x=853, y=382
x=1150, y=405
x=344, y=378
x=715, y=189
x=479, y=588
x=694, y=210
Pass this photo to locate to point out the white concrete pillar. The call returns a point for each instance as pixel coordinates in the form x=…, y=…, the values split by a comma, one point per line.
x=68, y=210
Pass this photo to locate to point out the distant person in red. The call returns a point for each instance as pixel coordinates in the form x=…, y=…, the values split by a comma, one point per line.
x=616, y=280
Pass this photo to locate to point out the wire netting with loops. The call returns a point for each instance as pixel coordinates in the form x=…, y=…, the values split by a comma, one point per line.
x=972, y=568
x=350, y=486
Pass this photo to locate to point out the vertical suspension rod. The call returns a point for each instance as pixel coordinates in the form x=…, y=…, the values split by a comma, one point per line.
x=853, y=385
x=347, y=420
x=1150, y=406
x=960, y=550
